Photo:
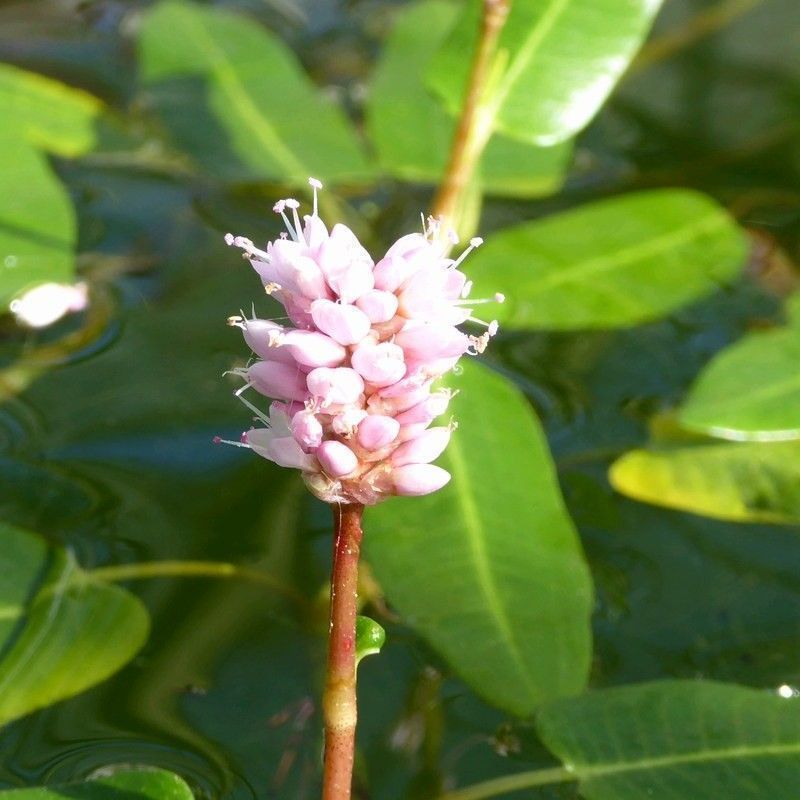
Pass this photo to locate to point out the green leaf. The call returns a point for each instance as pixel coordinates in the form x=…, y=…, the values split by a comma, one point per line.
x=50, y=115
x=413, y=133
x=560, y=60
x=678, y=740
x=37, y=221
x=234, y=97
x=61, y=630
x=749, y=391
x=743, y=482
x=613, y=263
x=130, y=784
x=490, y=570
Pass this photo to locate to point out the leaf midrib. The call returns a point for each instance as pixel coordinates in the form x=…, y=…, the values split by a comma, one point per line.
x=702, y=756
x=626, y=255
x=229, y=82
x=470, y=515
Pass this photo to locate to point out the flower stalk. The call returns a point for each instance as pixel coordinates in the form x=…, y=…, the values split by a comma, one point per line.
x=339, y=700
x=476, y=122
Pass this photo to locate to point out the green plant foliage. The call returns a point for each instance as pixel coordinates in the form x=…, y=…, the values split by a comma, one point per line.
x=612, y=263
x=413, y=133
x=235, y=99
x=490, y=569
x=37, y=221
x=750, y=391
x=742, y=482
x=62, y=631
x=558, y=60
x=134, y=784
x=678, y=740
x=370, y=637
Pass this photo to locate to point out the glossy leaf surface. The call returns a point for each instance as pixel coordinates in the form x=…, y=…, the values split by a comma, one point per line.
x=490, y=569
x=62, y=631
x=411, y=130
x=140, y=784
x=749, y=391
x=235, y=99
x=678, y=740
x=612, y=263
x=560, y=60
x=742, y=482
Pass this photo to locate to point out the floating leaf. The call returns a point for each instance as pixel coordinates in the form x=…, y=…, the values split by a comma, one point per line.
x=743, y=482
x=490, y=569
x=234, y=97
x=37, y=221
x=560, y=60
x=132, y=784
x=678, y=740
x=62, y=631
x=750, y=391
x=50, y=115
x=617, y=262
x=413, y=133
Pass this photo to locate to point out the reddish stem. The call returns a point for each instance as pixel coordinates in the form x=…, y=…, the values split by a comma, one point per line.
x=475, y=123
x=339, y=699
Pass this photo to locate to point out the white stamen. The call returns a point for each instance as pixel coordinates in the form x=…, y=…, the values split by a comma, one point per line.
x=220, y=440
x=494, y=326
x=315, y=185
x=499, y=297
x=294, y=205
x=259, y=414
x=249, y=248
x=473, y=243
x=272, y=287
x=467, y=289
x=280, y=208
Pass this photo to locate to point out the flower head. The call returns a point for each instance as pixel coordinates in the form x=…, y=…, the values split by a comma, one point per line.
x=352, y=377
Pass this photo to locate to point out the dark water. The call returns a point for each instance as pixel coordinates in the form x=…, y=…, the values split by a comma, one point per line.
x=109, y=450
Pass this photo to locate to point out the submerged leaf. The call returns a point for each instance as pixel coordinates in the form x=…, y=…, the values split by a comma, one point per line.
x=490, y=570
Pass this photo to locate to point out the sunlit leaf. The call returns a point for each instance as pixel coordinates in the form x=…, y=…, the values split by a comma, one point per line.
x=234, y=97
x=134, y=784
x=750, y=391
x=615, y=262
x=561, y=59
x=413, y=133
x=370, y=637
x=62, y=631
x=49, y=114
x=490, y=569
x=678, y=740
x=742, y=482
x=37, y=221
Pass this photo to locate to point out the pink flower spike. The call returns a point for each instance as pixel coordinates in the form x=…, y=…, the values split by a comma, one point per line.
x=283, y=450
x=379, y=364
x=379, y=306
x=261, y=337
x=426, y=411
x=336, y=459
x=432, y=341
x=377, y=431
x=414, y=480
x=423, y=449
x=313, y=349
x=338, y=386
x=346, y=324
x=307, y=430
x=277, y=380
